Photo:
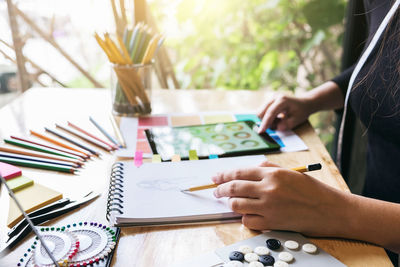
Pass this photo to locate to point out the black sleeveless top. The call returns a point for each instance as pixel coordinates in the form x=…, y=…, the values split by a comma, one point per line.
x=375, y=99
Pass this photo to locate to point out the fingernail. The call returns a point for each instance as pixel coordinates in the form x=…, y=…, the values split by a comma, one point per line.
x=216, y=193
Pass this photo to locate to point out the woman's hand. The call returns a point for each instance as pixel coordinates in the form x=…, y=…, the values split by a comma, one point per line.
x=284, y=112
x=270, y=197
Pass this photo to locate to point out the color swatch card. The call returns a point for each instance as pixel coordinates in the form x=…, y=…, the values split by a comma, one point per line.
x=133, y=130
x=31, y=198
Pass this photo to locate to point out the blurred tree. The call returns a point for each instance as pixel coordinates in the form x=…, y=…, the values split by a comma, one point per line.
x=237, y=44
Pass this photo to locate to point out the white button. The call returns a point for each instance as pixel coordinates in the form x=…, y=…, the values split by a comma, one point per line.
x=290, y=244
x=233, y=264
x=245, y=249
x=285, y=256
x=256, y=264
x=309, y=248
x=261, y=251
x=281, y=264
x=249, y=257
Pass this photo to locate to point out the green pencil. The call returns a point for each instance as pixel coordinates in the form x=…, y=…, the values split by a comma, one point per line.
x=37, y=148
x=31, y=164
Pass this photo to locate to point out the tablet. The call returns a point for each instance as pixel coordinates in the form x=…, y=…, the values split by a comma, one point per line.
x=222, y=139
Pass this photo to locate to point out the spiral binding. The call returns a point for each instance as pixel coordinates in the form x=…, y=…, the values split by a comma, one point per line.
x=115, y=191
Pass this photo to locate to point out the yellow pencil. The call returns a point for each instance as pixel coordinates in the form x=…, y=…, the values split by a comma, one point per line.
x=308, y=168
x=113, y=47
x=103, y=46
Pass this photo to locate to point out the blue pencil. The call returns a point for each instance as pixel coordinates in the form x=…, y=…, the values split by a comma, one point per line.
x=101, y=129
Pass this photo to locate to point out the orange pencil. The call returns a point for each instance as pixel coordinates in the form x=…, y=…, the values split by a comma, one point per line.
x=64, y=150
x=51, y=140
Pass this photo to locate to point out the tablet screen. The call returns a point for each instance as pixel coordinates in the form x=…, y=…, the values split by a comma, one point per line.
x=223, y=139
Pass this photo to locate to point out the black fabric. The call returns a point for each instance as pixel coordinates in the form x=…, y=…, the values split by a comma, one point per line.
x=375, y=99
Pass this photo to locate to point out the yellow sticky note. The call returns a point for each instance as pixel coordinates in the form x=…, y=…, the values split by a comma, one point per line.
x=19, y=183
x=193, y=155
x=156, y=158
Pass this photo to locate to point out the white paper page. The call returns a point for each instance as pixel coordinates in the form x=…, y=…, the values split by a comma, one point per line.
x=291, y=141
x=154, y=189
x=129, y=129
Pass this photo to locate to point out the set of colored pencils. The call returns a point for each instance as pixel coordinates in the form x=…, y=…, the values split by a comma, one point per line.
x=132, y=55
x=56, y=154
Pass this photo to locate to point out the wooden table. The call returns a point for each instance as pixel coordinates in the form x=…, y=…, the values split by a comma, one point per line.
x=157, y=246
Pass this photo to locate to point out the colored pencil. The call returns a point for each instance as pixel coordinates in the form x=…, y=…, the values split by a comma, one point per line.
x=76, y=155
x=66, y=138
x=56, y=142
x=308, y=168
x=106, y=134
x=113, y=146
x=36, y=147
x=117, y=131
x=31, y=164
x=36, y=159
x=39, y=155
x=84, y=137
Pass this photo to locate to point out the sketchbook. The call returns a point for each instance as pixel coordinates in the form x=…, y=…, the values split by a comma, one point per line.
x=151, y=194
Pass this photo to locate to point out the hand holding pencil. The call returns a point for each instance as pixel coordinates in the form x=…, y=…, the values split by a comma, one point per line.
x=307, y=168
x=273, y=198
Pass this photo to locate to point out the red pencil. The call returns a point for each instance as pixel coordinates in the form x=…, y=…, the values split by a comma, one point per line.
x=114, y=147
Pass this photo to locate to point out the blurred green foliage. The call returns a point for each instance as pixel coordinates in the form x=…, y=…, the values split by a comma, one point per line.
x=236, y=44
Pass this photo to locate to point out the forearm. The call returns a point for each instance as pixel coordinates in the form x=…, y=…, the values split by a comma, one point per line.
x=327, y=96
x=373, y=221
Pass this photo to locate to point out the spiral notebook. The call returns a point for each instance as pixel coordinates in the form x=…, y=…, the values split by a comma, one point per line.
x=151, y=194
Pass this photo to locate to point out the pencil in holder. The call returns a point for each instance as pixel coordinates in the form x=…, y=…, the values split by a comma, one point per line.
x=131, y=89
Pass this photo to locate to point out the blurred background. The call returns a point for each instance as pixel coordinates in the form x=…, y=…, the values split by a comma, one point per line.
x=280, y=45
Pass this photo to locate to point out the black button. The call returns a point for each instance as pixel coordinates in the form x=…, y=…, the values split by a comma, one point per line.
x=266, y=260
x=273, y=244
x=236, y=256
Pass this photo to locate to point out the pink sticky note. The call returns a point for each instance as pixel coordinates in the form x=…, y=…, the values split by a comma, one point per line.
x=138, y=158
x=9, y=171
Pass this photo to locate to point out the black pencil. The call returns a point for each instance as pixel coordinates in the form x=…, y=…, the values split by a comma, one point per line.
x=38, y=165
x=72, y=141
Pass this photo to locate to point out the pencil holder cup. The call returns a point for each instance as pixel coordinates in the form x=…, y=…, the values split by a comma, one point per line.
x=131, y=89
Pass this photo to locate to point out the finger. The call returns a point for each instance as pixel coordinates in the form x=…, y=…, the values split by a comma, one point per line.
x=268, y=164
x=255, y=222
x=244, y=205
x=252, y=174
x=247, y=189
x=270, y=115
x=264, y=108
